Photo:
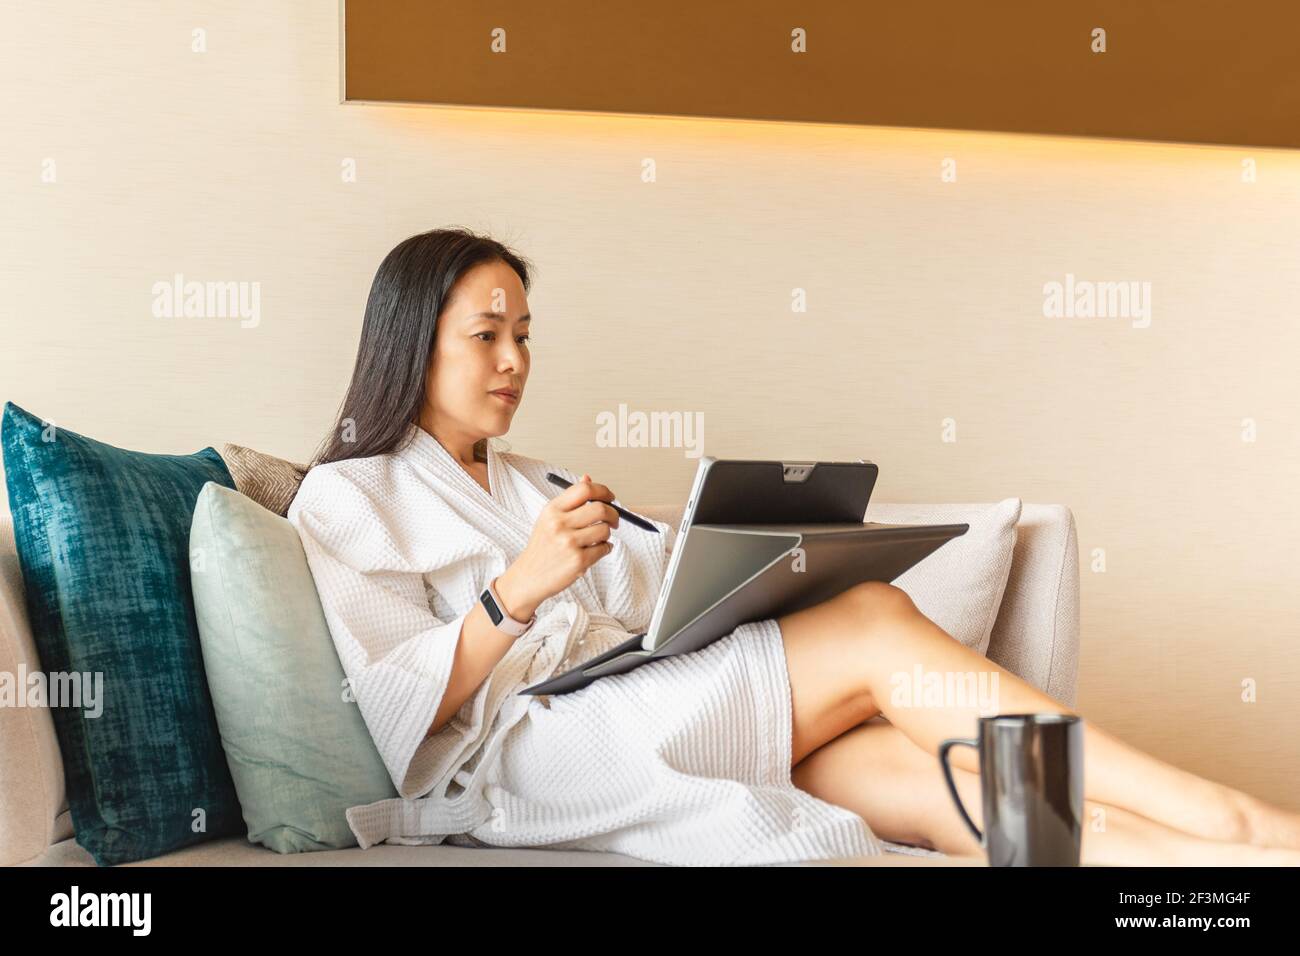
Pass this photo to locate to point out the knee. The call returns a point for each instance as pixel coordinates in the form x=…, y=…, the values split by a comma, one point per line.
x=877, y=602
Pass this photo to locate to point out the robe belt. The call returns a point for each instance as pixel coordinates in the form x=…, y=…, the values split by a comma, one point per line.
x=601, y=619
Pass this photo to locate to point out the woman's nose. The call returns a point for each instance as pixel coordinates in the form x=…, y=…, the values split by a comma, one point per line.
x=513, y=358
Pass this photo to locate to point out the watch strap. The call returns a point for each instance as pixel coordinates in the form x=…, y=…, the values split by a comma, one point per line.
x=498, y=614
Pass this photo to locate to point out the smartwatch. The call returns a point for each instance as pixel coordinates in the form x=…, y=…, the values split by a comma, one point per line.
x=497, y=612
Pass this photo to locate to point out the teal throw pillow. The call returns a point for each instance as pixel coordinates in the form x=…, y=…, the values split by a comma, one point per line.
x=102, y=536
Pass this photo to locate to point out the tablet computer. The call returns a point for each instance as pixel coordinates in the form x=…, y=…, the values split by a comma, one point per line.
x=747, y=491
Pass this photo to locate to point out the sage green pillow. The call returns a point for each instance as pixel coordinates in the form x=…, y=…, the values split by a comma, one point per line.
x=297, y=746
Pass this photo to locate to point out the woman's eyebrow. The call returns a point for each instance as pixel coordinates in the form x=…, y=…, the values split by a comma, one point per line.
x=497, y=317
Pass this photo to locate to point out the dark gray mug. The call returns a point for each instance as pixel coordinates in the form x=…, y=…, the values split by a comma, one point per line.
x=1031, y=777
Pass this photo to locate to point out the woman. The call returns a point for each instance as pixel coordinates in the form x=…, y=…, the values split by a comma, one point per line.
x=775, y=743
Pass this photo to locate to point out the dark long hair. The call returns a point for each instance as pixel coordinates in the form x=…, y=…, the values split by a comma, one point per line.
x=409, y=291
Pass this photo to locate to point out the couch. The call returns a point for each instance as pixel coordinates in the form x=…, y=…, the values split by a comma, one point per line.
x=1035, y=635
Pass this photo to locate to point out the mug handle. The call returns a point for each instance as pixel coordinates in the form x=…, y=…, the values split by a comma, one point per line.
x=944, y=747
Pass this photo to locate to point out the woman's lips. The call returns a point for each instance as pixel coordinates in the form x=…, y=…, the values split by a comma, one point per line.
x=506, y=397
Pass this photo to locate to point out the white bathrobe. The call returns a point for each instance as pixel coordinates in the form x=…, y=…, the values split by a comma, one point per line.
x=684, y=760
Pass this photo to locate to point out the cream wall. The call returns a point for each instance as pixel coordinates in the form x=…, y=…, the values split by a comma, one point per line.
x=925, y=303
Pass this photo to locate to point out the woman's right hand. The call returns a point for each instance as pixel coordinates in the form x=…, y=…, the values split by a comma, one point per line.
x=571, y=534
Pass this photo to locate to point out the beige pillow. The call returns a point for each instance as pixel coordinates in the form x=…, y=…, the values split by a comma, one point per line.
x=271, y=482
x=960, y=586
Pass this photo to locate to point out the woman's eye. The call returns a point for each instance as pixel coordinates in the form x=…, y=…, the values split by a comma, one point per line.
x=477, y=334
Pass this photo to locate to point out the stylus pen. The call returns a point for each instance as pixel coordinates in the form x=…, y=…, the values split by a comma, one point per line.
x=635, y=519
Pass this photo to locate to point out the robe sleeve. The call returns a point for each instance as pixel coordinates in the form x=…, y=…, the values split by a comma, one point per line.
x=396, y=653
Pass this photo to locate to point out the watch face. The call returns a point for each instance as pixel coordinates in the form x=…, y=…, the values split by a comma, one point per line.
x=494, y=612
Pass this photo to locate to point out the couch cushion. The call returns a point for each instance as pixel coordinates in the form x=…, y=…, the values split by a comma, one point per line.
x=297, y=746
x=102, y=541
x=236, y=851
x=233, y=851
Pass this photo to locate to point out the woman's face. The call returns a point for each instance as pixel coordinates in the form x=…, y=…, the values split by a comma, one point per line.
x=481, y=345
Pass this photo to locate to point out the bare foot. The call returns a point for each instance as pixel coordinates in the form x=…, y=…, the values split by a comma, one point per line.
x=1270, y=826
x=1201, y=852
x=1272, y=856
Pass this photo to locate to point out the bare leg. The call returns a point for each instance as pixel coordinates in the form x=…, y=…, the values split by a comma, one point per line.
x=894, y=638
x=878, y=773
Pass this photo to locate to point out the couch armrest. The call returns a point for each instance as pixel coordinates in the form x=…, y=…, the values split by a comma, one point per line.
x=1036, y=634
x=32, y=796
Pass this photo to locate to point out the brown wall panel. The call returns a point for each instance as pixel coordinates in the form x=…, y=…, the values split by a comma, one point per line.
x=1179, y=70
